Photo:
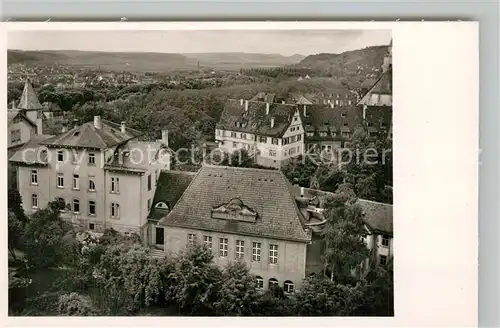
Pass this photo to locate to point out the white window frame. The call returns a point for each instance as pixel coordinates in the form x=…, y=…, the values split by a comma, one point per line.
x=34, y=177
x=95, y=205
x=76, y=201
x=272, y=281
x=61, y=154
x=380, y=259
x=207, y=241
x=223, y=247
x=91, y=180
x=34, y=201
x=259, y=282
x=273, y=253
x=256, y=251
x=115, y=185
x=385, y=241
x=91, y=158
x=60, y=178
x=76, y=182
x=240, y=249
x=288, y=286
x=15, y=135
x=191, y=237
x=115, y=210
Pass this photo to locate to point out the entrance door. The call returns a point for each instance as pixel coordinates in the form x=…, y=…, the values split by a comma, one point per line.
x=160, y=237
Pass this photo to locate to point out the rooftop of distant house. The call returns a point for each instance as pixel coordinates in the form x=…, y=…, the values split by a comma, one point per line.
x=243, y=201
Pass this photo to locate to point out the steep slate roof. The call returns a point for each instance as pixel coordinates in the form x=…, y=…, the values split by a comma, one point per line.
x=35, y=155
x=13, y=113
x=377, y=216
x=29, y=99
x=382, y=86
x=235, y=118
x=264, y=191
x=87, y=136
x=323, y=118
x=170, y=187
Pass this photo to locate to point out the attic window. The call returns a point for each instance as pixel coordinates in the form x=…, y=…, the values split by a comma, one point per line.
x=343, y=115
x=345, y=124
x=77, y=133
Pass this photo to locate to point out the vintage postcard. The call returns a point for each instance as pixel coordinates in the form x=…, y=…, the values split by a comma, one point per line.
x=199, y=170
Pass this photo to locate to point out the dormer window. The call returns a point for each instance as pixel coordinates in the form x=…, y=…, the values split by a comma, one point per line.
x=345, y=124
x=342, y=115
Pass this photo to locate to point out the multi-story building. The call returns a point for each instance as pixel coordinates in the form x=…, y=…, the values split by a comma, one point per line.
x=242, y=214
x=100, y=169
x=270, y=132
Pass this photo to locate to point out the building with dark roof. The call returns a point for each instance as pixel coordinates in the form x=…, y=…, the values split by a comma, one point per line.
x=100, y=169
x=30, y=106
x=270, y=132
x=242, y=213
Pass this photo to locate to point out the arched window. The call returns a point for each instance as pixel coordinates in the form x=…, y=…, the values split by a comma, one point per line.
x=288, y=286
x=76, y=206
x=273, y=282
x=260, y=282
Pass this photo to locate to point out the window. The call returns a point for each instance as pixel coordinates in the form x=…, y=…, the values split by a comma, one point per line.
x=160, y=236
x=272, y=152
x=222, y=246
x=235, y=144
x=91, y=207
x=292, y=151
x=273, y=282
x=91, y=183
x=286, y=141
x=260, y=282
x=299, y=137
x=288, y=286
x=240, y=249
x=115, y=210
x=263, y=139
x=61, y=200
x=149, y=182
x=60, y=180
x=207, y=241
x=273, y=253
x=322, y=134
x=345, y=134
x=149, y=204
x=275, y=141
x=243, y=136
x=115, y=185
x=76, y=206
x=383, y=260
x=60, y=156
x=385, y=240
x=219, y=132
x=76, y=181
x=310, y=134
x=233, y=134
x=91, y=158
x=34, y=177
x=256, y=252
x=295, y=119
x=293, y=138
x=15, y=136
x=91, y=226
x=34, y=200
x=191, y=239
x=382, y=125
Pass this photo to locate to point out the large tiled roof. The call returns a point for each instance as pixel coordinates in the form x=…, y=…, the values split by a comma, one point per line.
x=265, y=192
x=383, y=86
x=29, y=99
x=170, y=187
x=377, y=216
x=322, y=118
x=264, y=97
x=135, y=156
x=235, y=118
x=88, y=136
x=35, y=155
x=13, y=113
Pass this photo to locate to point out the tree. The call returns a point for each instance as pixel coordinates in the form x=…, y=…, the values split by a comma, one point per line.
x=237, y=294
x=43, y=236
x=300, y=170
x=195, y=281
x=74, y=304
x=344, y=228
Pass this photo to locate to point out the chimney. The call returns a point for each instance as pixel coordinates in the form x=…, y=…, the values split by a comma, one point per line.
x=272, y=122
x=331, y=105
x=164, y=137
x=241, y=102
x=267, y=108
x=301, y=191
x=305, y=110
x=246, y=105
x=97, y=122
x=63, y=129
x=123, y=127
x=283, y=102
x=13, y=104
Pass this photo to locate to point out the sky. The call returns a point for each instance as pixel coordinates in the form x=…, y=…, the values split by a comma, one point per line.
x=285, y=42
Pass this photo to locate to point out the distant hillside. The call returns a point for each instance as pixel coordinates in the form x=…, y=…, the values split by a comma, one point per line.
x=243, y=60
x=117, y=61
x=148, y=62
x=350, y=62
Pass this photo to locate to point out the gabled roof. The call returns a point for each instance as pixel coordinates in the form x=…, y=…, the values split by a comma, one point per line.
x=88, y=136
x=383, y=86
x=13, y=113
x=170, y=187
x=266, y=192
x=235, y=118
x=377, y=216
x=29, y=99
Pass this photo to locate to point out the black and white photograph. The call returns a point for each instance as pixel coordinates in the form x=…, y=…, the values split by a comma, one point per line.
x=200, y=172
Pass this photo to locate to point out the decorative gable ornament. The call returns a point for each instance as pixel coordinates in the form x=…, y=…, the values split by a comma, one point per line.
x=234, y=210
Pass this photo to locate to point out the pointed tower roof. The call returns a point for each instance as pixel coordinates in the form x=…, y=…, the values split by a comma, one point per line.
x=29, y=99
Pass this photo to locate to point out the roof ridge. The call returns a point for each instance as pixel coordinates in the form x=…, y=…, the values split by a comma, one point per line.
x=238, y=168
x=91, y=126
x=184, y=192
x=294, y=202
